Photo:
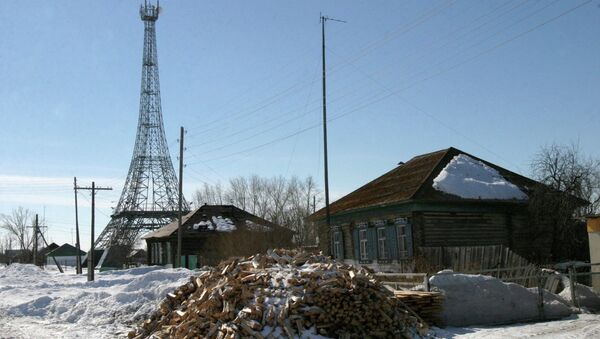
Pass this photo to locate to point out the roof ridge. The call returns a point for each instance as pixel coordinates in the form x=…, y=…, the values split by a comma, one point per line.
x=433, y=169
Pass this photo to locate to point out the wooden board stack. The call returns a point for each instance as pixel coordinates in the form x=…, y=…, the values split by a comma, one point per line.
x=281, y=294
x=428, y=305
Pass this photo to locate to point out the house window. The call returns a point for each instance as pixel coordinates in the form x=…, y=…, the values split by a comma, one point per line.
x=337, y=245
x=169, y=254
x=403, y=240
x=362, y=237
x=381, y=243
x=160, y=254
x=154, y=253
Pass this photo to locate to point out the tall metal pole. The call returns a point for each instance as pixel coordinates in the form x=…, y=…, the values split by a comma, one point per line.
x=328, y=217
x=77, y=244
x=179, y=215
x=90, y=257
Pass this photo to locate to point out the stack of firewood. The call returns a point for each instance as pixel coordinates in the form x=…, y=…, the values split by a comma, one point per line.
x=281, y=294
x=428, y=305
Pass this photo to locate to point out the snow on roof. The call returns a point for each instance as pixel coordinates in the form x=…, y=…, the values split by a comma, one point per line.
x=218, y=223
x=472, y=179
x=252, y=226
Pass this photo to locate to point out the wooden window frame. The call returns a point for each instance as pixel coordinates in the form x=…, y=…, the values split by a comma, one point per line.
x=403, y=243
x=337, y=244
x=382, y=250
x=363, y=241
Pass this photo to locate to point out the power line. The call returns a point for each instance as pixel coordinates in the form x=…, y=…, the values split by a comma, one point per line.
x=367, y=49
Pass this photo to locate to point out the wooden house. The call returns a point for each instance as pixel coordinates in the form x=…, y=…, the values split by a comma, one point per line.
x=444, y=199
x=213, y=233
x=65, y=255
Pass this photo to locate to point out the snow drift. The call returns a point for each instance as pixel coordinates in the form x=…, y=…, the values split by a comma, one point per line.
x=586, y=296
x=484, y=300
x=468, y=178
x=105, y=307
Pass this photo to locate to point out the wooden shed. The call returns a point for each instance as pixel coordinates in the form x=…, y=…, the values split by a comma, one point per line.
x=213, y=233
x=437, y=200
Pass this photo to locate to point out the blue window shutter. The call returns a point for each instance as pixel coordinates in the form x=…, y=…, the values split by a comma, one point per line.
x=356, y=244
x=372, y=243
x=409, y=240
x=391, y=241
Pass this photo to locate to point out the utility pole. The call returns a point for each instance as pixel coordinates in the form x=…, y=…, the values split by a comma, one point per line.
x=328, y=217
x=53, y=258
x=90, y=256
x=77, y=243
x=36, y=233
x=180, y=205
x=35, y=240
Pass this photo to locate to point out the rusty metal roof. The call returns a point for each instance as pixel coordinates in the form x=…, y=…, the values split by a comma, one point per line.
x=408, y=181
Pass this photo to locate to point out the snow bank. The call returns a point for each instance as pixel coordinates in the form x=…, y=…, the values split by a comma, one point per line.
x=582, y=326
x=585, y=295
x=472, y=179
x=105, y=307
x=484, y=300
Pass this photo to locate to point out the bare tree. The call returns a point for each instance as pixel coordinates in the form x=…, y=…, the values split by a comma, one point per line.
x=17, y=226
x=566, y=169
x=209, y=194
x=569, y=181
x=286, y=202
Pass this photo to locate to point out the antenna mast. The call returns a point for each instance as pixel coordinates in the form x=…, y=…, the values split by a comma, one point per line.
x=325, y=162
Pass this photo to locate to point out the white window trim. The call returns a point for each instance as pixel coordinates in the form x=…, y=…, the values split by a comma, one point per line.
x=381, y=244
x=364, y=255
x=337, y=243
x=402, y=241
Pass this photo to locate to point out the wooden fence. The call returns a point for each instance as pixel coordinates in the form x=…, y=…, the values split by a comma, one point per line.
x=471, y=258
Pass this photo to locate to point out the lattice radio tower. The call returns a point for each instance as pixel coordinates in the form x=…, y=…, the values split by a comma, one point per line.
x=150, y=196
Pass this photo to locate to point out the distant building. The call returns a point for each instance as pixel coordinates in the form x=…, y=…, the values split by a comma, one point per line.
x=137, y=257
x=213, y=233
x=65, y=255
x=434, y=201
x=18, y=256
x=43, y=253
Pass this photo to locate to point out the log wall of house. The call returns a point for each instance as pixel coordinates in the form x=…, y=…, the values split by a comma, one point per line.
x=463, y=229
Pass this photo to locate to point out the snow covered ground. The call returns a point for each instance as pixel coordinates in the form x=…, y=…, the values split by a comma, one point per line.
x=46, y=304
x=483, y=300
x=576, y=326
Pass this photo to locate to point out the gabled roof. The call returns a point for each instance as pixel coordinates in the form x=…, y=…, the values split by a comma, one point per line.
x=66, y=250
x=196, y=221
x=412, y=181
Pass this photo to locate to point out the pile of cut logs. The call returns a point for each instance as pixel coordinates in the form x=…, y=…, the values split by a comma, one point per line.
x=428, y=305
x=281, y=294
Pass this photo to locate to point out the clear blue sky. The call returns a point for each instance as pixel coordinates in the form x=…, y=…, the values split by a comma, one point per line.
x=498, y=79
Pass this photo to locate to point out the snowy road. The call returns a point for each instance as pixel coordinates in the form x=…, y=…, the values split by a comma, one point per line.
x=577, y=326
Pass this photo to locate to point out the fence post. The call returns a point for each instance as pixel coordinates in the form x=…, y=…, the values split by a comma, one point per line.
x=573, y=282
x=540, y=296
x=426, y=282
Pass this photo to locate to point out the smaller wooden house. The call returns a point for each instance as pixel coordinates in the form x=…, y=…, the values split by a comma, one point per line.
x=212, y=233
